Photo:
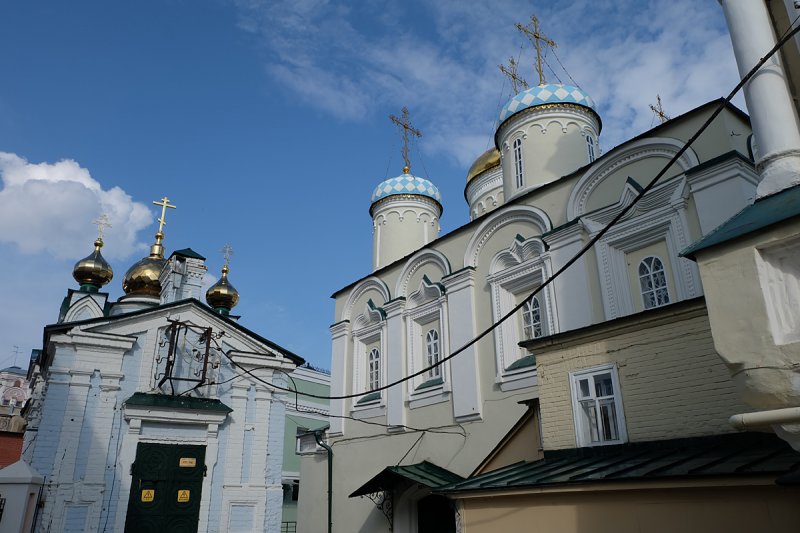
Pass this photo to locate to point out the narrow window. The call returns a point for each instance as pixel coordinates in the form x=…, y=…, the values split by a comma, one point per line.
x=598, y=408
x=374, y=369
x=532, y=319
x=590, y=147
x=518, y=163
x=653, y=281
x=432, y=347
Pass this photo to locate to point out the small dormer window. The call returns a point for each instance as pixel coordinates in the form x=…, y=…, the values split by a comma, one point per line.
x=590, y=147
x=518, y=163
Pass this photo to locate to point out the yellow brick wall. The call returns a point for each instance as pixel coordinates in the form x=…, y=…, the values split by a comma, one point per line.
x=673, y=384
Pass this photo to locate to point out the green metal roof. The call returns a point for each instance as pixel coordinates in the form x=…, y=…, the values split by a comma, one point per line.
x=763, y=213
x=188, y=252
x=424, y=473
x=737, y=454
x=176, y=402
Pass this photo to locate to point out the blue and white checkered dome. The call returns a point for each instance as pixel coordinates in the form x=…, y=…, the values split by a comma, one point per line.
x=406, y=184
x=549, y=93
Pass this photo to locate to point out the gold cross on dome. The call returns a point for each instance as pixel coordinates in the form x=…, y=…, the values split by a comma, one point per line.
x=517, y=83
x=227, y=252
x=164, y=203
x=537, y=38
x=102, y=223
x=659, y=110
x=407, y=128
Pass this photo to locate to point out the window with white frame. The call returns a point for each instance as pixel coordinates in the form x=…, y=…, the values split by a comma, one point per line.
x=514, y=274
x=426, y=323
x=590, y=147
x=369, y=343
x=518, y=163
x=532, y=319
x=597, y=406
x=653, y=282
x=433, y=351
x=374, y=375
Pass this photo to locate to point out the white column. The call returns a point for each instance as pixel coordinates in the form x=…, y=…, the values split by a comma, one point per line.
x=339, y=337
x=772, y=113
x=571, y=289
x=395, y=362
x=461, y=325
x=102, y=445
x=233, y=460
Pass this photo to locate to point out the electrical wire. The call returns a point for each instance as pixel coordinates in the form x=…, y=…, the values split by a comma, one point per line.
x=599, y=235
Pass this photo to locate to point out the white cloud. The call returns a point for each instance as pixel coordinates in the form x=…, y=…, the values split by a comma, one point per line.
x=49, y=207
x=440, y=59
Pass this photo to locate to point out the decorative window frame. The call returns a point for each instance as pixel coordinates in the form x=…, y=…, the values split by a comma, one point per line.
x=578, y=419
x=369, y=328
x=427, y=304
x=518, y=270
x=660, y=216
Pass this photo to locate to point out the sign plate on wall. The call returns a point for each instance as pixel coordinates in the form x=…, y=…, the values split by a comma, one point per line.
x=188, y=462
x=148, y=495
x=183, y=496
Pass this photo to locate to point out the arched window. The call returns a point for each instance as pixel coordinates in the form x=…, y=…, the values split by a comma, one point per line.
x=432, y=347
x=532, y=319
x=518, y=163
x=590, y=147
x=653, y=281
x=374, y=369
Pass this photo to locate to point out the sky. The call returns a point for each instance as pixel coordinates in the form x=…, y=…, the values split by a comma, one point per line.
x=266, y=123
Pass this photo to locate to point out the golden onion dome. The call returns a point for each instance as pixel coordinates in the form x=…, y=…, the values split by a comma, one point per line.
x=489, y=159
x=141, y=279
x=222, y=296
x=93, y=271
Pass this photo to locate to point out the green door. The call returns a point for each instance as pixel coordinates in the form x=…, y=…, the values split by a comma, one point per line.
x=165, y=489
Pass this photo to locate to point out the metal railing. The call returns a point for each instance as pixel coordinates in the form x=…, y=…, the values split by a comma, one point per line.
x=288, y=527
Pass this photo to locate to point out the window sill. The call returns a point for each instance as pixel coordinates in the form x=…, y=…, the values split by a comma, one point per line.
x=520, y=374
x=368, y=406
x=428, y=393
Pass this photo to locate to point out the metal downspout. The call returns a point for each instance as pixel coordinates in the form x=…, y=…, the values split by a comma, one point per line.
x=330, y=479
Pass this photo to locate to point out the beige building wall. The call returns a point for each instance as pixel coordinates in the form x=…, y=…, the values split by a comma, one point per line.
x=753, y=297
x=716, y=509
x=671, y=379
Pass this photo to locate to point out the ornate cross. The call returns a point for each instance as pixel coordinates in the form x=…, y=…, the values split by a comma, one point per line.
x=164, y=203
x=659, y=110
x=407, y=128
x=102, y=223
x=511, y=72
x=227, y=252
x=537, y=38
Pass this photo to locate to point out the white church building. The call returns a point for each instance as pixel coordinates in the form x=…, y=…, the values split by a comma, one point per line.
x=153, y=413
x=535, y=199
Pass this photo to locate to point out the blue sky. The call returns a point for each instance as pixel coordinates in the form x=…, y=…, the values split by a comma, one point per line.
x=265, y=122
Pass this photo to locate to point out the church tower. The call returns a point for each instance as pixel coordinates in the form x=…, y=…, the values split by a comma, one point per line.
x=545, y=132
x=405, y=210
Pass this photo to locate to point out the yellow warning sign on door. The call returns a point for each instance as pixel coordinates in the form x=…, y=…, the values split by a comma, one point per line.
x=188, y=462
x=183, y=496
x=148, y=495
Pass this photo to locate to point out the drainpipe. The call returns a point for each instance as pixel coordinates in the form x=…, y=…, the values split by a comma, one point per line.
x=330, y=479
x=789, y=415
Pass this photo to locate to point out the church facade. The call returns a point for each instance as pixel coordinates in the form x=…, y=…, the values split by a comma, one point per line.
x=155, y=412
x=534, y=200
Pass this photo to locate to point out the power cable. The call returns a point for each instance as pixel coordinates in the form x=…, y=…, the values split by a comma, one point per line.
x=599, y=235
